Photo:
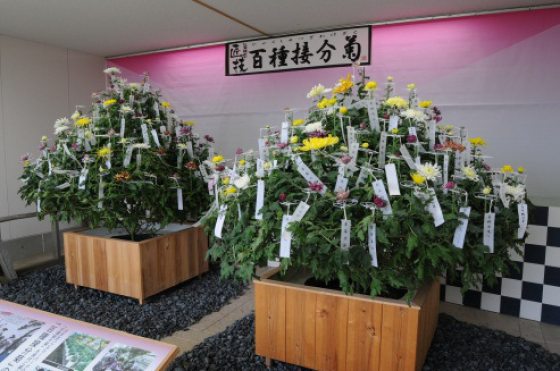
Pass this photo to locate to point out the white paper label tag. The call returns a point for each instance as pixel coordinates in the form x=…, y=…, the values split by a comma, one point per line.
x=351, y=135
x=341, y=184
x=262, y=149
x=461, y=230
x=523, y=219
x=38, y=205
x=407, y=157
x=379, y=190
x=392, y=179
x=260, y=168
x=156, y=138
x=68, y=153
x=467, y=154
x=412, y=131
x=177, y=131
x=87, y=146
x=156, y=108
x=63, y=186
x=372, y=114
x=445, y=169
x=100, y=194
x=82, y=179
x=108, y=163
x=123, y=127
x=345, y=227
x=284, y=133
x=434, y=208
x=273, y=263
x=306, y=172
x=503, y=196
x=146, y=87
x=393, y=122
x=260, y=199
x=353, y=152
x=382, y=149
x=285, y=238
x=300, y=211
x=145, y=134
x=179, y=199
x=458, y=165
x=372, y=243
x=190, y=150
x=220, y=221
x=431, y=134
x=488, y=239
x=361, y=177
x=128, y=156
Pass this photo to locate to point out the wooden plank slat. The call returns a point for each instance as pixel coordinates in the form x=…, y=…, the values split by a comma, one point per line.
x=331, y=332
x=300, y=327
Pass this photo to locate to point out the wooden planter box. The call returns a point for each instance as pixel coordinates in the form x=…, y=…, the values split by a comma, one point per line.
x=135, y=269
x=324, y=329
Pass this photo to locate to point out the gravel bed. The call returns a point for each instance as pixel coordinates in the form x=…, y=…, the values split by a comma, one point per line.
x=456, y=346
x=160, y=316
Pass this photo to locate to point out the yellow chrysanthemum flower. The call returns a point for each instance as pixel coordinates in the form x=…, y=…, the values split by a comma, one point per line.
x=507, y=169
x=520, y=169
x=242, y=162
x=395, y=131
x=397, y=101
x=217, y=159
x=343, y=110
x=109, y=102
x=411, y=86
x=294, y=139
x=26, y=163
x=103, y=152
x=389, y=78
x=230, y=190
x=44, y=138
x=477, y=142
x=225, y=180
x=318, y=143
x=370, y=85
x=365, y=145
x=298, y=122
x=166, y=104
x=417, y=178
x=188, y=123
x=343, y=149
x=83, y=121
x=425, y=104
x=344, y=84
x=487, y=190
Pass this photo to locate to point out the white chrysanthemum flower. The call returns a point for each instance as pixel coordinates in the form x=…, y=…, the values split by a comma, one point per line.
x=317, y=91
x=61, y=122
x=516, y=192
x=141, y=146
x=242, y=182
x=315, y=126
x=470, y=173
x=181, y=146
x=60, y=129
x=134, y=86
x=429, y=171
x=112, y=71
x=126, y=109
x=76, y=115
x=414, y=115
x=487, y=190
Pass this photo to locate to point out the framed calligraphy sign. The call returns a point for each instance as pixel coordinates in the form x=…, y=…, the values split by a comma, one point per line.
x=335, y=48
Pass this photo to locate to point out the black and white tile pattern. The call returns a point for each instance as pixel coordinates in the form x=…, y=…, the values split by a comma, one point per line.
x=531, y=292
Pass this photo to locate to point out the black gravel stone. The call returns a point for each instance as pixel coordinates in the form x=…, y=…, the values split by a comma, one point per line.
x=160, y=316
x=456, y=346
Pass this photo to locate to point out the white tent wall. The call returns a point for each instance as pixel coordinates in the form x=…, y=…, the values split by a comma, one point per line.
x=38, y=84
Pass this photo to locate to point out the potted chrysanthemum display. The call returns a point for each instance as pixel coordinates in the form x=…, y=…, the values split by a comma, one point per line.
x=367, y=195
x=131, y=166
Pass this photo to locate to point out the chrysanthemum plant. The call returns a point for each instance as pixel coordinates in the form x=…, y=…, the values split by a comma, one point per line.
x=368, y=192
x=128, y=162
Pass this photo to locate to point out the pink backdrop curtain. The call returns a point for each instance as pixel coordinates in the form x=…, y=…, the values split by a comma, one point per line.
x=498, y=75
